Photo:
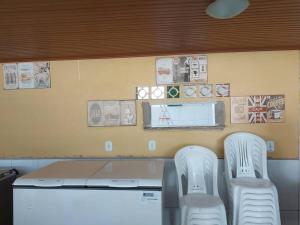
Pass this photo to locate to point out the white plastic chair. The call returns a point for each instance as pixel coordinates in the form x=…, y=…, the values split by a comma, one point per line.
x=200, y=203
x=253, y=197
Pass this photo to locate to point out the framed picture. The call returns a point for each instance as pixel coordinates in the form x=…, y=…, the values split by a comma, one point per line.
x=173, y=91
x=10, y=76
x=142, y=93
x=95, y=114
x=157, y=92
x=128, y=113
x=276, y=108
x=239, y=109
x=205, y=90
x=111, y=113
x=164, y=71
x=258, y=109
x=198, y=69
x=222, y=90
x=41, y=74
x=189, y=91
x=26, y=75
x=181, y=69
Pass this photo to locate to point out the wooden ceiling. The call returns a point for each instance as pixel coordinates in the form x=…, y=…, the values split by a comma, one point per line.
x=76, y=29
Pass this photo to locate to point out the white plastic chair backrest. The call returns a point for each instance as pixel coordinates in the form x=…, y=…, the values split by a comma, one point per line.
x=198, y=165
x=245, y=155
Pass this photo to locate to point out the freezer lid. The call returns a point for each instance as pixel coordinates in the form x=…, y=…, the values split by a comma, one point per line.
x=62, y=173
x=129, y=174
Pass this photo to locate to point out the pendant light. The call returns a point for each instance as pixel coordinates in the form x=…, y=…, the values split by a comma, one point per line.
x=225, y=9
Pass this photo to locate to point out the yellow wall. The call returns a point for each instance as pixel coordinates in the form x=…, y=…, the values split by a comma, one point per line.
x=53, y=122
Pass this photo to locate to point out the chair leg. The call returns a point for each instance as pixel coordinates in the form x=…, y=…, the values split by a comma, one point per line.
x=183, y=216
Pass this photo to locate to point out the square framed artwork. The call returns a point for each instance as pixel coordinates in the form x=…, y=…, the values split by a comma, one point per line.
x=205, y=90
x=173, y=91
x=189, y=91
x=222, y=90
x=34, y=75
x=257, y=108
x=142, y=93
x=157, y=92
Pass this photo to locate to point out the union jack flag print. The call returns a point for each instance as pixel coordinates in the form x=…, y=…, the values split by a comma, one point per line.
x=258, y=109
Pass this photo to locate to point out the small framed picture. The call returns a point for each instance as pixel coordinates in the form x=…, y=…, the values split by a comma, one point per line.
x=222, y=90
x=128, y=113
x=10, y=76
x=164, y=71
x=189, y=91
x=157, y=92
x=205, y=90
x=173, y=91
x=142, y=93
x=95, y=114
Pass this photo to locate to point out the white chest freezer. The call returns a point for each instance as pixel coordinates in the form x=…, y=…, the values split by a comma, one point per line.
x=121, y=192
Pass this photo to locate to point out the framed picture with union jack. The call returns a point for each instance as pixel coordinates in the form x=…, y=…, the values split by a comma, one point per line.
x=258, y=109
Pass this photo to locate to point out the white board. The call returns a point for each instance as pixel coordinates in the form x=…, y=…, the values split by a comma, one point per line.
x=183, y=115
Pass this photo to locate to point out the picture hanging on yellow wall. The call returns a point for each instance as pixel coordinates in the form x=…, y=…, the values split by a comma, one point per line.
x=205, y=90
x=239, y=110
x=189, y=91
x=276, y=108
x=164, y=71
x=173, y=91
x=10, y=76
x=157, y=92
x=95, y=114
x=128, y=113
x=26, y=78
x=34, y=75
x=142, y=93
x=26, y=75
x=181, y=69
x=258, y=109
x=41, y=74
x=198, y=69
x=222, y=90
x=111, y=113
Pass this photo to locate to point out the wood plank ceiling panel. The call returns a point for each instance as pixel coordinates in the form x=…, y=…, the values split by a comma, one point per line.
x=75, y=29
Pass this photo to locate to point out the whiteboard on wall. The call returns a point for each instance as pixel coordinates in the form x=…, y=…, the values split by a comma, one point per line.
x=185, y=115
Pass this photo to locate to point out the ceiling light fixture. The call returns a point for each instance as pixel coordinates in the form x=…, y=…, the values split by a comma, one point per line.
x=226, y=9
